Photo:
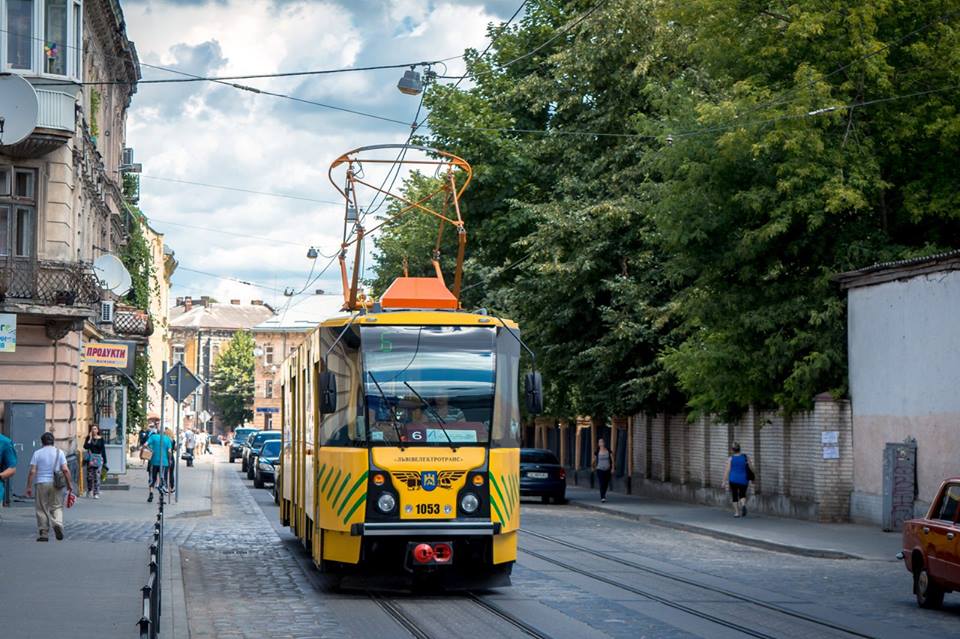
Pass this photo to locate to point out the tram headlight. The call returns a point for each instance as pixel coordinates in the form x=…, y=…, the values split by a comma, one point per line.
x=386, y=503
x=469, y=503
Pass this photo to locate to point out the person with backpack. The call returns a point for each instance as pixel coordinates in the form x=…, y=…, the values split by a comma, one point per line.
x=49, y=474
x=738, y=475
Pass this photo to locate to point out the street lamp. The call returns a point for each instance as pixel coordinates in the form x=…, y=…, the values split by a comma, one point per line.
x=410, y=83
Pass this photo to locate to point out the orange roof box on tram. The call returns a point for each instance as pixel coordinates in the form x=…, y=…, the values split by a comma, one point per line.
x=418, y=292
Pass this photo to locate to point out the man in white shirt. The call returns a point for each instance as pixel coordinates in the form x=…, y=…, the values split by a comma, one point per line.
x=49, y=501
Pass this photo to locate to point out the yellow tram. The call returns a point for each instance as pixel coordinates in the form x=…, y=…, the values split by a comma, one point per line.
x=401, y=427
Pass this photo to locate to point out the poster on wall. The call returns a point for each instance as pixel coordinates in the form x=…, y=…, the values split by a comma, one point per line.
x=8, y=333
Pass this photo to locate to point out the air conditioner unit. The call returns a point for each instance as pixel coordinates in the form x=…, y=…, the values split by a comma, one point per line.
x=106, y=312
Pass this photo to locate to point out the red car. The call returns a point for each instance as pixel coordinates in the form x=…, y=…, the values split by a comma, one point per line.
x=931, y=547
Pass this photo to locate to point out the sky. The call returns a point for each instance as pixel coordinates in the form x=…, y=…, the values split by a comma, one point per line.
x=214, y=134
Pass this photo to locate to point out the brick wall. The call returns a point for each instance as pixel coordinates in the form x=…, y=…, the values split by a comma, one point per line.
x=681, y=459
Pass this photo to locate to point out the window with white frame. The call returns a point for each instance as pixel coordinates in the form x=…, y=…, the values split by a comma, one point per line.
x=268, y=389
x=267, y=421
x=178, y=353
x=43, y=37
x=268, y=354
x=18, y=210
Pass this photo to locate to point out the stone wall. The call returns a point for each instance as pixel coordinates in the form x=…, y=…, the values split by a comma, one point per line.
x=676, y=458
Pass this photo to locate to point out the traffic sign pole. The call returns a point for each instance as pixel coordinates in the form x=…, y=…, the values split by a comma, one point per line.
x=176, y=457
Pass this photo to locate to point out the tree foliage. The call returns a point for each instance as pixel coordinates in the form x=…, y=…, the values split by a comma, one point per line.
x=708, y=167
x=232, y=387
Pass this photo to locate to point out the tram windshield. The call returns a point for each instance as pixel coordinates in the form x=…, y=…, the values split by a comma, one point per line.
x=428, y=385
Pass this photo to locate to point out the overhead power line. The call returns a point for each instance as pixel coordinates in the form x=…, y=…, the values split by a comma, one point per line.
x=240, y=190
x=230, y=279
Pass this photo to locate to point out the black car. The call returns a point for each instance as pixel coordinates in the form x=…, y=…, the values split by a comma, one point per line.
x=267, y=459
x=541, y=475
x=252, y=447
x=236, y=444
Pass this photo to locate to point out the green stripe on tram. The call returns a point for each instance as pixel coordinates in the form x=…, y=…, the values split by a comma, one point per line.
x=496, y=486
x=333, y=484
x=320, y=472
x=343, y=484
x=362, y=498
x=362, y=478
x=496, y=509
x=326, y=481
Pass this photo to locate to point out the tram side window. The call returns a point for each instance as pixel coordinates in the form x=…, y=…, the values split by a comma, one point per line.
x=506, y=406
x=345, y=426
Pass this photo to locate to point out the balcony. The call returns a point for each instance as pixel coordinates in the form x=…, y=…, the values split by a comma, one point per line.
x=56, y=123
x=68, y=289
x=129, y=321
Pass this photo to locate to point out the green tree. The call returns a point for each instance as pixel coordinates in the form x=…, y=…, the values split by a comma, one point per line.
x=232, y=387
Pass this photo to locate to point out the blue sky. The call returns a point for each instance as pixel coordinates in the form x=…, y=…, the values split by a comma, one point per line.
x=215, y=134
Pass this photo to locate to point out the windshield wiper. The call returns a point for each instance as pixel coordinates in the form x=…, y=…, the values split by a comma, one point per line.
x=393, y=415
x=442, y=423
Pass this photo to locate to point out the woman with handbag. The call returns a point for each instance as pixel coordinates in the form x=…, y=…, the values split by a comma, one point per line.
x=50, y=474
x=95, y=460
x=738, y=475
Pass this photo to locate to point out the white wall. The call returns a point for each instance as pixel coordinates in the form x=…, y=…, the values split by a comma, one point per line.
x=904, y=357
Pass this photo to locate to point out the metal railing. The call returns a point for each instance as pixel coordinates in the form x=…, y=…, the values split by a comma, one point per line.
x=152, y=592
x=48, y=282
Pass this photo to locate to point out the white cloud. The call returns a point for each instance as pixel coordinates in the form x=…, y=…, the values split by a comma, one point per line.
x=209, y=133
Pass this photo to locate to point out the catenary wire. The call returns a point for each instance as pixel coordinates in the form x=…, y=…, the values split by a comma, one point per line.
x=233, y=233
x=239, y=189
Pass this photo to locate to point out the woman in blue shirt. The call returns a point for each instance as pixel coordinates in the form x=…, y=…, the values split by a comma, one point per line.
x=737, y=475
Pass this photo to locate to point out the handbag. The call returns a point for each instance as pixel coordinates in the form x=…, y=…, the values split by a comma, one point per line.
x=94, y=460
x=59, y=479
x=750, y=474
x=146, y=454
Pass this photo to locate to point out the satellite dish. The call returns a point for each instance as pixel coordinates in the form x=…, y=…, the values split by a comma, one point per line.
x=19, y=108
x=113, y=275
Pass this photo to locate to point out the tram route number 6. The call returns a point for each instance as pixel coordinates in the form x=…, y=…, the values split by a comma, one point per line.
x=428, y=509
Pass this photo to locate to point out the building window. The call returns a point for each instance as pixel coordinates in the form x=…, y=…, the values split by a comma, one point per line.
x=178, y=353
x=18, y=199
x=215, y=353
x=268, y=389
x=268, y=354
x=42, y=36
x=267, y=421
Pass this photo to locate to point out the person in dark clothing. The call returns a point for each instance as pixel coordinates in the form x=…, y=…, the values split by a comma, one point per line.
x=94, y=460
x=603, y=464
x=737, y=476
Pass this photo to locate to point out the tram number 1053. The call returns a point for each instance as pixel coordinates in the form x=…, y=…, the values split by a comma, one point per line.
x=428, y=509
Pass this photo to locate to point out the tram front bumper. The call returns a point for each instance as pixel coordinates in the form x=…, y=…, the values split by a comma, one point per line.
x=426, y=529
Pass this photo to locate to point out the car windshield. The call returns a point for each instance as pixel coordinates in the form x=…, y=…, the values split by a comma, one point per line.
x=262, y=437
x=537, y=457
x=429, y=385
x=271, y=448
x=242, y=434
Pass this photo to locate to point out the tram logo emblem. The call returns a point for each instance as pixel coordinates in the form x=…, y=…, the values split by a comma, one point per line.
x=428, y=480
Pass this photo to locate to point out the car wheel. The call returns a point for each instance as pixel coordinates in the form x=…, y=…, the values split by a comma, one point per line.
x=929, y=594
x=276, y=495
x=232, y=458
x=545, y=499
x=257, y=482
x=249, y=471
x=560, y=499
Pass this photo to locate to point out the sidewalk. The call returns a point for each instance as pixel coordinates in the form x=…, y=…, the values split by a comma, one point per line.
x=88, y=585
x=794, y=536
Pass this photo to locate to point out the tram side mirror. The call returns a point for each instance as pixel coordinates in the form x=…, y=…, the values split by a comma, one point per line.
x=533, y=389
x=328, y=393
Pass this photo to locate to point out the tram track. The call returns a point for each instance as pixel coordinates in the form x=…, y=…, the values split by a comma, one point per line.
x=404, y=619
x=689, y=582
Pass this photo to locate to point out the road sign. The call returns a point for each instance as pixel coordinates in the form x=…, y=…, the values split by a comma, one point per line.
x=204, y=417
x=188, y=382
x=267, y=409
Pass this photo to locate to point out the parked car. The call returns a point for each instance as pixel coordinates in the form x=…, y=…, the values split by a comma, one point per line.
x=267, y=459
x=931, y=547
x=252, y=447
x=239, y=437
x=541, y=475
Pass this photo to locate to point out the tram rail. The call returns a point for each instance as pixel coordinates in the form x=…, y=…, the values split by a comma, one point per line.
x=673, y=577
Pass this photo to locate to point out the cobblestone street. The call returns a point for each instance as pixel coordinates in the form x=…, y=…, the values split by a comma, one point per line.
x=235, y=573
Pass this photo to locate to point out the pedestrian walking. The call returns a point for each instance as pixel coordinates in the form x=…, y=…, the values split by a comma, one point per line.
x=603, y=465
x=94, y=460
x=160, y=445
x=738, y=475
x=49, y=475
x=8, y=464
